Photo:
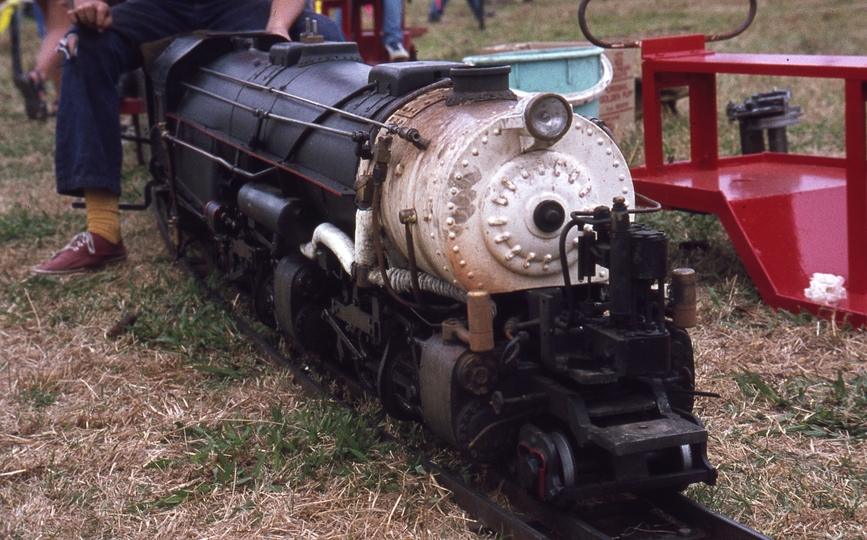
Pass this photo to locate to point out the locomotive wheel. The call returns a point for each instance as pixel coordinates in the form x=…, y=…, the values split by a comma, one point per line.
x=680, y=395
x=263, y=297
x=567, y=461
x=397, y=384
x=164, y=215
x=311, y=332
x=300, y=296
x=481, y=433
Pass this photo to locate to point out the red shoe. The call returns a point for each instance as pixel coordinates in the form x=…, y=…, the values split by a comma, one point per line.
x=84, y=252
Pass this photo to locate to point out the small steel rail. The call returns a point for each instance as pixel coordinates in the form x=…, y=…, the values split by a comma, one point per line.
x=657, y=516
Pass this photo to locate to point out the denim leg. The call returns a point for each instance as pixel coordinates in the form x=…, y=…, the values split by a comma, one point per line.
x=476, y=8
x=88, y=150
x=392, y=21
x=437, y=7
x=326, y=26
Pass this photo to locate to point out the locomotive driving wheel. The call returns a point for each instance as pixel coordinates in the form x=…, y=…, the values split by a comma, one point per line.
x=167, y=219
x=680, y=392
x=263, y=296
x=300, y=296
x=397, y=384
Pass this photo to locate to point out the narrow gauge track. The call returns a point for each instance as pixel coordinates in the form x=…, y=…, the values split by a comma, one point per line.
x=655, y=516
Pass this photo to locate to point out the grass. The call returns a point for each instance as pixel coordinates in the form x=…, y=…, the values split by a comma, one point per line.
x=173, y=426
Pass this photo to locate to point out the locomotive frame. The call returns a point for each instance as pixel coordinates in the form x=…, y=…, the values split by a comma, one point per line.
x=338, y=195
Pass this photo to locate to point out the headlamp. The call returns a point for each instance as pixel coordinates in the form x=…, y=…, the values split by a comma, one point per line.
x=548, y=117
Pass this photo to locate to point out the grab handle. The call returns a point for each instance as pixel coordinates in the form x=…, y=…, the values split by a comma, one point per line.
x=582, y=22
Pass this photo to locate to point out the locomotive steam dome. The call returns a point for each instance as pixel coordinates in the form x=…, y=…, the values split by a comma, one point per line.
x=493, y=195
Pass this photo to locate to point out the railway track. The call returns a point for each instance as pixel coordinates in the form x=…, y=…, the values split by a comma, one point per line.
x=655, y=516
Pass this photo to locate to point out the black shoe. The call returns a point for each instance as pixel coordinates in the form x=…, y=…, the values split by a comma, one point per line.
x=32, y=88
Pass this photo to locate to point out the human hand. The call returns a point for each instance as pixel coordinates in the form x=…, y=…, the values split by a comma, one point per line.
x=92, y=14
x=278, y=30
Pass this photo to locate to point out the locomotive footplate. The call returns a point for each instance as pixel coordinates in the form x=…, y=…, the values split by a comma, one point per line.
x=648, y=435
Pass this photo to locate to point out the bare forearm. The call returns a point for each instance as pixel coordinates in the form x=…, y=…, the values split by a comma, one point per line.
x=283, y=15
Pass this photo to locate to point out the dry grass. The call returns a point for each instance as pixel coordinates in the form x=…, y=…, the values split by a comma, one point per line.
x=125, y=437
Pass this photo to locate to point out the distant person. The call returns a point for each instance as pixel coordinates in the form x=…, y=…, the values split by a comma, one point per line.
x=104, y=43
x=392, y=30
x=435, y=14
x=48, y=61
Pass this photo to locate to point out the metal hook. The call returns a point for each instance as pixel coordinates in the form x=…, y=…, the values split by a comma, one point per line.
x=582, y=22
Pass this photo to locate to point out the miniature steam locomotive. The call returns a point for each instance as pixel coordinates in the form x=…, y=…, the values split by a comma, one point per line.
x=470, y=256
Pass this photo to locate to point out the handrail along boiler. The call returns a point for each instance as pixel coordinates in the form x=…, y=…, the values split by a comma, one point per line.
x=472, y=257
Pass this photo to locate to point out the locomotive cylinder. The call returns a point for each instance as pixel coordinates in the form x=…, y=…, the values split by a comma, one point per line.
x=265, y=204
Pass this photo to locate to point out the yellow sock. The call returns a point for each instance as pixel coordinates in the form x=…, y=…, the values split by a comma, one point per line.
x=103, y=214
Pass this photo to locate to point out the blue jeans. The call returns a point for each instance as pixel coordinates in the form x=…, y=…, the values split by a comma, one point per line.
x=88, y=151
x=438, y=12
x=392, y=22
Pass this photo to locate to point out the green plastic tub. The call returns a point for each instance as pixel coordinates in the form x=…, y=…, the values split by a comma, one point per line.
x=581, y=74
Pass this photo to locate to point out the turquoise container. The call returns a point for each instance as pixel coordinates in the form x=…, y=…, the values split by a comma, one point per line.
x=581, y=74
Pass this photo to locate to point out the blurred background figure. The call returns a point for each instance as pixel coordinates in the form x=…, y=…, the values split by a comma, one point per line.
x=437, y=6
x=32, y=84
x=392, y=30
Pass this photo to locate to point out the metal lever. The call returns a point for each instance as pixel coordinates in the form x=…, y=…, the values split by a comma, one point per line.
x=582, y=22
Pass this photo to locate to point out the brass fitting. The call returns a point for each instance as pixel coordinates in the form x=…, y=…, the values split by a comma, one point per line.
x=683, y=297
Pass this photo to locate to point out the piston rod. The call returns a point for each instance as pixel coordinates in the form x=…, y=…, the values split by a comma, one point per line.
x=409, y=134
x=259, y=113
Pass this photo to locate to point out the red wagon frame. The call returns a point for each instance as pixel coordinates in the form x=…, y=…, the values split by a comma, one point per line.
x=788, y=215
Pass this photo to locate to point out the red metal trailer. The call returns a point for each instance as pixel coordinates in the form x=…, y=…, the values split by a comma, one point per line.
x=788, y=215
x=367, y=30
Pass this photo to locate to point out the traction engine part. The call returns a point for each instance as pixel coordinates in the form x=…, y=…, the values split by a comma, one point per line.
x=767, y=111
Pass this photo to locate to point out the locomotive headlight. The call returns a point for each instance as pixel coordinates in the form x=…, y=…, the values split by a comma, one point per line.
x=548, y=117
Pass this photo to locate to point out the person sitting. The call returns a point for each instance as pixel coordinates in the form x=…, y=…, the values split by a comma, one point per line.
x=104, y=43
x=48, y=61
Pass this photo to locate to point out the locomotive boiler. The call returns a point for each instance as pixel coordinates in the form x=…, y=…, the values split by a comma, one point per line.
x=470, y=256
